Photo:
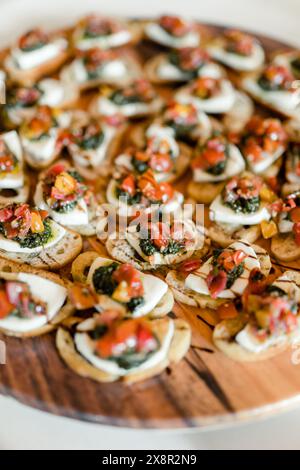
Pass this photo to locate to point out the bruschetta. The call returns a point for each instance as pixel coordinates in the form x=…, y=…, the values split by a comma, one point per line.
x=158, y=150
x=106, y=348
x=222, y=277
x=138, y=99
x=266, y=324
x=106, y=284
x=42, y=136
x=30, y=236
x=173, y=32
x=150, y=245
x=237, y=213
x=215, y=161
x=33, y=302
x=35, y=55
x=237, y=50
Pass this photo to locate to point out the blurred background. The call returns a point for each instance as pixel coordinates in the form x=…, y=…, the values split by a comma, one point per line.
x=25, y=428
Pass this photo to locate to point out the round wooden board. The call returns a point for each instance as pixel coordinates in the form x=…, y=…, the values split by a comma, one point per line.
x=205, y=389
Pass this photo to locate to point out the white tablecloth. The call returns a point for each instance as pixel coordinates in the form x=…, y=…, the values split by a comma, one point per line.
x=25, y=428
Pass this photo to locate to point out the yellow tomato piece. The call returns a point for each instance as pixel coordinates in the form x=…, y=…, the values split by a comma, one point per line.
x=120, y=294
x=65, y=183
x=37, y=225
x=267, y=195
x=268, y=229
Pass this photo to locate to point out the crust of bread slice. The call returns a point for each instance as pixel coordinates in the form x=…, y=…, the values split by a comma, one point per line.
x=223, y=238
x=30, y=77
x=122, y=251
x=66, y=311
x=181, y=163
x=189, y=297
x=54, y=258
x=178, y=348
x=205, y=193
x=284, y=247
x=223, y=338
x=18, y=196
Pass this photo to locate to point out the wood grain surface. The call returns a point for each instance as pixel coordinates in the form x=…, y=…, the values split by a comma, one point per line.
x=205, y=389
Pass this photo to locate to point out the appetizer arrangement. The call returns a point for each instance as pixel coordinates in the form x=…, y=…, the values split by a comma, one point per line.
x=102, y=147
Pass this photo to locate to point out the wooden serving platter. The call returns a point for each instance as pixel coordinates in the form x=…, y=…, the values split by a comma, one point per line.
x=205, y=389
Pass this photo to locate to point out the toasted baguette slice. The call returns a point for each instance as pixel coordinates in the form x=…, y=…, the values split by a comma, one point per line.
x=243, y=83
x=54, y=258
x=31, y=76
x=226, y=331
x=80, y=269
x=284, y=247
x=179, y=346
x=205, y=193
x=176, y=281
x=122, y=251
x=66, y=311
x=222, y=236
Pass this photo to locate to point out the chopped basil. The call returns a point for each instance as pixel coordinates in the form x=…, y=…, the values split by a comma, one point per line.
x=34, y=240
x=135, y=303
x=182, y=131
x=174, y=59
x=130, y=200
x=102, y=279
x=243, y=205
x=295, y=64
x=233, y=275
x=139, y=166
x=118, y=98
x=91, y=143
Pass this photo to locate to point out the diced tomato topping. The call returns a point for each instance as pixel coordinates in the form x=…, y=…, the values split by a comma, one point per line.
x=206, y=87
x=56, y=169
x=127, y=273
x=82, y=297
x=279, y=75
x=128, y=185
x=295, y=215
x=175, y=25
x=239, y=42
x=229, y=259
x=160, y=162
x=296, y=231
x=6, y=214
x=5, y=306
x=32, y=38
x=227, y=311
x=190, y=265
x=160, y=234
x=216, y=283
x=212, y=154
x=37, y=225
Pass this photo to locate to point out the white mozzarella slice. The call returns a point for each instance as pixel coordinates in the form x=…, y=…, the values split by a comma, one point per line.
x=96, y=156
x=247, y=339
x=106, y=107
x=284, y=101
x=53, y=92
x=77, y=216
x=235, y=164
x=155, y=32
x=42, y=150
x=237, y=61
x=285, y=225
x=58, y=233
x=105, y=42
x=220, y=213
x=54, y=295
x=84, y=347
x=154, y=288
x=14, y=179
x=197, y=280
x=37, y=57
x=267, y=160
x=169, y=71
x=221, y=103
